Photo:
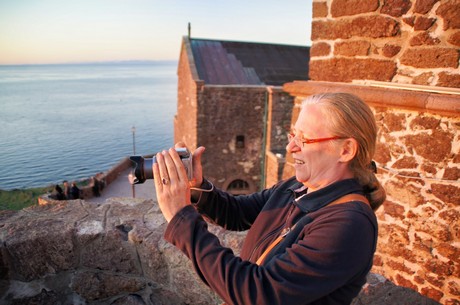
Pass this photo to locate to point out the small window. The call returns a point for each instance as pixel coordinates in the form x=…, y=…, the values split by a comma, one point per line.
x=238, y=186
x=240, y=141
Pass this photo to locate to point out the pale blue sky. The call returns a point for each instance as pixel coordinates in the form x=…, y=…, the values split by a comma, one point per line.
x=64, y=31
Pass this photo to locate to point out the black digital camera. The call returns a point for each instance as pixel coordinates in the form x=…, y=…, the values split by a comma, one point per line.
x=142, y=167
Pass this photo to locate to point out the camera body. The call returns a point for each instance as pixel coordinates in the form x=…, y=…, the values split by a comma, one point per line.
x=142, y=167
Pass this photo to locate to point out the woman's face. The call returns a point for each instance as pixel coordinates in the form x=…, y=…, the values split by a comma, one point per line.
x=316, y=164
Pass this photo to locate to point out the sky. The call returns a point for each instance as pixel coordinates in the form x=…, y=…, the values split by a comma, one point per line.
x=65, y=31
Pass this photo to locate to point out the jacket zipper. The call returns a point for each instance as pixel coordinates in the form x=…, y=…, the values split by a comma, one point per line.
x=284, y=231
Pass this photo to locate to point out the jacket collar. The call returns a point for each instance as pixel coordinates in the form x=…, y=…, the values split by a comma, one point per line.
x=320, y=198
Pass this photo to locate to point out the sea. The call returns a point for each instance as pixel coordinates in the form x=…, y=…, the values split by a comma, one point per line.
x=72, y=121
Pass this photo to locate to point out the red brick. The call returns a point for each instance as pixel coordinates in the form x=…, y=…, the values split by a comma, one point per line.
x=371, y=26
x=435, y=147
x=352, y=48
x=423, y=23
x=451, y=173
x=353, y=7
x=448, y=80
x=405, y=162
x=424, y=6
x=348, y=69
x=447, y=193
x=390, y=50
x=320, y=49
x=423, y=38
x=450, y=12
x=319, y=9
x=393, y=209
x=424, y=123
x=455, y=39
x=394, y=122
x=432, y=293
x=396, y=8
x=449, y=251
x=431, y=57
x=400, y=280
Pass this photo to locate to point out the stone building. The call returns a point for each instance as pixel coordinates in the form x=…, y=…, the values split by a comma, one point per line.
x=224, y=91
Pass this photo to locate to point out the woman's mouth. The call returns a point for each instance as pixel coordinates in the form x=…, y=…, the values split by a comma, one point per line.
x=299, y=162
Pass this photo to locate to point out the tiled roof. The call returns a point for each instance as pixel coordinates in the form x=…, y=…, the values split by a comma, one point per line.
x=247, y=63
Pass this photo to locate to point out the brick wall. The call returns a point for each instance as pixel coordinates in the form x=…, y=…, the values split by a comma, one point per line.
x=419, y=166
x=412, y=42
x=399, y=41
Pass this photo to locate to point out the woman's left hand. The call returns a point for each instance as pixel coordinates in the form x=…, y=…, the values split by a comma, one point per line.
x=171, y=183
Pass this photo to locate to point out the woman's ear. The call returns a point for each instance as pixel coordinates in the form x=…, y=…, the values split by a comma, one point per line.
x=349, y=150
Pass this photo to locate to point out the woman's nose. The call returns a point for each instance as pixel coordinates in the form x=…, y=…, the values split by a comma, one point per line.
x=292, y=147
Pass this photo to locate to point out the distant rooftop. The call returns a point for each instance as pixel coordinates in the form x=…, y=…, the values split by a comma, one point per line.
x=247, y=63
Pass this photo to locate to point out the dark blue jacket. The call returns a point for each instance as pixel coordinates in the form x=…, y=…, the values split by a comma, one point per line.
x=326, y=261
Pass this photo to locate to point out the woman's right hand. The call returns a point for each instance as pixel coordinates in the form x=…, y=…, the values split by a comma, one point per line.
x=196, y=164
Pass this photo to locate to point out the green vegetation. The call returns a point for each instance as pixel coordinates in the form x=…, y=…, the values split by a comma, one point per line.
x=21, y=198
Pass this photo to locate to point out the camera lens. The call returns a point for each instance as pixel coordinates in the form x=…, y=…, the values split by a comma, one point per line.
x=142, y=169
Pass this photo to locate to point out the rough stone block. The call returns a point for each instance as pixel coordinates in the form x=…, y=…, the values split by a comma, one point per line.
x=352, y=48
x=449, y=11
x=348, y=69
x=447, y=193
x=432, y=57
x=448, y=80
x=396, y=8
x=424, y=38
x=390, y=50
x=353, y=7
x=320, y=49
x=455, y=39
x=435, y=147
x=320, y=9
x=372, y=26
x=424, y=6
x=423, y=23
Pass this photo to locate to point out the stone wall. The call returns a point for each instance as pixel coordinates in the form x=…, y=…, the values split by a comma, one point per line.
x=418, y=158
x=399, y=41
x=74, y=252
x=227, y=114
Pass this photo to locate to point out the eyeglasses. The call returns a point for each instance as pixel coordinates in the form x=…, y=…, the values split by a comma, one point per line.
x=300, y=139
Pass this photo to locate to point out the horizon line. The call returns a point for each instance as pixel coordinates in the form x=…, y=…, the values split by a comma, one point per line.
x=128, y=61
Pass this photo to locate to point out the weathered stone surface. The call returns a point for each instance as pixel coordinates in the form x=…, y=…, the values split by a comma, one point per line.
x=451, y=173
x=423, y=23
x=448, y=80
x=353, y=7
x=159, y=274
x=455, y=39
x=423, y=78
x=434, y=57
x=450, y=13
x=390, y=50
x=424, y=123
x=405, y=162
x=348, y=69
x=447, y=193
x=424, y=6
x=96, y=286
x=319, y=9
x=423, y=38
x=372, y=26
x=435, y=147
x=393, y=209
x=320, y=49
x=396, y=8
x=352, y=48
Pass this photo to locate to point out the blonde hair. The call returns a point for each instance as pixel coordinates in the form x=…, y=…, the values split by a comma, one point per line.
x=349, y=117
